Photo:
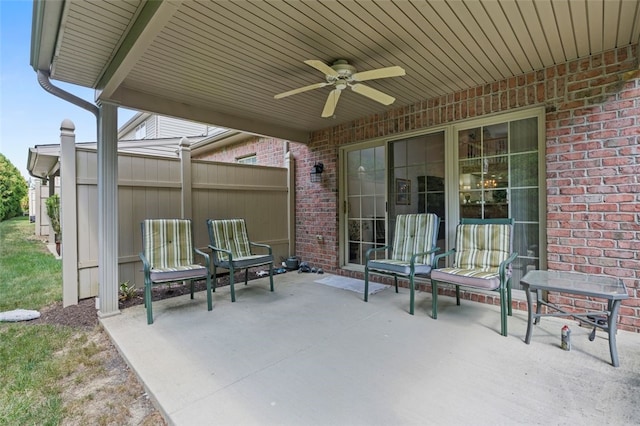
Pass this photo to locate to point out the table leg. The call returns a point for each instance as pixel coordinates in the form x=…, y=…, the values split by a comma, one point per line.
x=527, y=338
x=538, y=307
x=612, y=327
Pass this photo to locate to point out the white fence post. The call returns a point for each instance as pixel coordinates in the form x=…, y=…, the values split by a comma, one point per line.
x=68, y=213
x=185, y=178
x=37, y=206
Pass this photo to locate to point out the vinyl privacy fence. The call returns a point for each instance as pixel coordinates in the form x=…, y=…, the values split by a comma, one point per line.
x=158, y=187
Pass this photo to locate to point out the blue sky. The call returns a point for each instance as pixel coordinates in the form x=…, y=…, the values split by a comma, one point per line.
x=29, y=115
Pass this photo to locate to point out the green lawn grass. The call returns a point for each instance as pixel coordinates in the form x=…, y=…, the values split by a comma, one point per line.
x=32, y=359
x=30, y=276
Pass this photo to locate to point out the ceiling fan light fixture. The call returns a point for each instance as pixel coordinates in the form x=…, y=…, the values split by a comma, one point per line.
x=341, y=75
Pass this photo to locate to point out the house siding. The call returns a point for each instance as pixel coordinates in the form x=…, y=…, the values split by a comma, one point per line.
x=160, y=127
x=169, y=127
x=152, y=127
x=592, y=165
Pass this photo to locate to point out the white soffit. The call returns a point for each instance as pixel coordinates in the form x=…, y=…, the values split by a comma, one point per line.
x=221, y=62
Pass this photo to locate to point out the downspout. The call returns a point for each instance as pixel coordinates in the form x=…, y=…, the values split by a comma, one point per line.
x=43, y=79
x=70, y=289
x=45, y=83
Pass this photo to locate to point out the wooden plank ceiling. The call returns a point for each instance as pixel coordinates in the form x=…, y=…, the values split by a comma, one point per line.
x=222, y=62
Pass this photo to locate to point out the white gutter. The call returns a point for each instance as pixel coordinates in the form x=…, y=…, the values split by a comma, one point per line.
x=43, y=79
x=227, y=138
x=44, y=31
x=45, y=83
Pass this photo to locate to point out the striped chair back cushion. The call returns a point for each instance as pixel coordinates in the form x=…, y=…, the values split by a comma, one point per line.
x=231, y=235
x=482, y=246
x=415, y=233
x=167, y=243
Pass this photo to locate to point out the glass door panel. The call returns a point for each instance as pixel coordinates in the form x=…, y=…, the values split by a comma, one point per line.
x=416, y=179
x=498, y=178
x=366, y=192
x=484, y=172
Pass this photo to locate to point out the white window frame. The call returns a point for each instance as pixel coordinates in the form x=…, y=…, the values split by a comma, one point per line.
x=247, y=159
x=141, y=131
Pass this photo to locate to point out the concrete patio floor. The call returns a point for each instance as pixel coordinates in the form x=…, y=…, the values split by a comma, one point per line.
x=310, y=354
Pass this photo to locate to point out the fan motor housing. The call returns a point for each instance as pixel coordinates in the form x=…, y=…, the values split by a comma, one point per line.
x=343, y=68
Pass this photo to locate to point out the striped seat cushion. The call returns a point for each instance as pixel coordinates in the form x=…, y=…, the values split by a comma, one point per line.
x=480, y=278
x=482, y=246
x=185, y=272
x=168, y=247
x=398, y=266
x=231, y=235
x=479, y=251
x=414, y=233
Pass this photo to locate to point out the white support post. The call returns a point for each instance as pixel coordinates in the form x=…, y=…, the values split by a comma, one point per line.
x=290, y=164
x=185, y=178
x=108, y=210
x=68, y=213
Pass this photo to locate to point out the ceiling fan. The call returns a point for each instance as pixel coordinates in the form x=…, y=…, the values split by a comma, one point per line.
x=342, y=75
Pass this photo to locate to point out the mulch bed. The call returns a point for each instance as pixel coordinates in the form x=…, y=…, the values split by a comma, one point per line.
x=85, y=315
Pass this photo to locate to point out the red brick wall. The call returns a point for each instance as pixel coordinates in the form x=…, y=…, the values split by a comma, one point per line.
x=268, y=152
x=592, y=155
x=316, y=205
x=593, y=163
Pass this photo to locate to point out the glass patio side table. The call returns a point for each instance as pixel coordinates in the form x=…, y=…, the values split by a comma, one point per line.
x=609, y=288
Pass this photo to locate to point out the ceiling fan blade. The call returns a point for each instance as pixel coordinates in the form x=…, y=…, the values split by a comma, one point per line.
x=374, y=94
x=379, y=73
x=300, y=90
x=330, y=105
x=322, y=67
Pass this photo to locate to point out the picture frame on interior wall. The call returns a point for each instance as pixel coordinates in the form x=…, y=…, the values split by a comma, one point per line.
x=403, y=191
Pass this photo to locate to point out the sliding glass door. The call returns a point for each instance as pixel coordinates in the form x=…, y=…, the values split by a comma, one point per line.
x=405, y=176
x=486, y=168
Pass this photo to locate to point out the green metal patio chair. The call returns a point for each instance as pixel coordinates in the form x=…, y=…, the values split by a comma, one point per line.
x=168, y=256
x=414, y=245
x=482, y=260
x=229, y=241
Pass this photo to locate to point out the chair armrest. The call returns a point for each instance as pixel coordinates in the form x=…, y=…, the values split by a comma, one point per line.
x=267, y=246
x=503, y=265
x=415, y=256
x=207, y=262
x=145, y=263
x=216, y=249
x=437, y=258
x=367, y=255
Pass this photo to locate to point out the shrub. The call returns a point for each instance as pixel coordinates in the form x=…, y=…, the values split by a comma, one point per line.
x=13, y=187
x=53, y=211
x=127, y=290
